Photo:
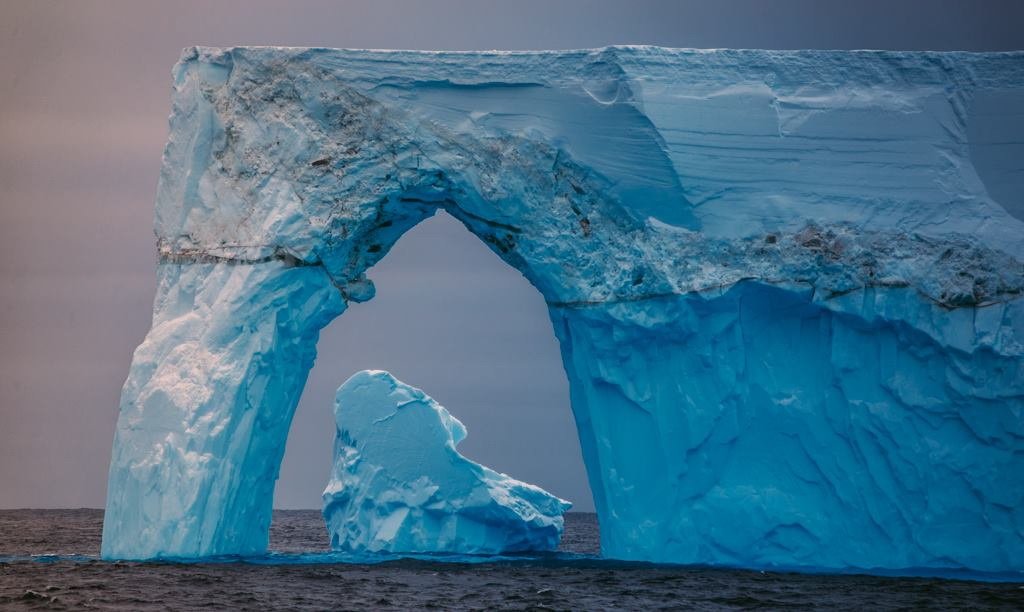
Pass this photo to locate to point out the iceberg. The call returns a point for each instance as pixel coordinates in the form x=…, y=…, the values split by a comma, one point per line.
x=399, y=485
x=787, y=285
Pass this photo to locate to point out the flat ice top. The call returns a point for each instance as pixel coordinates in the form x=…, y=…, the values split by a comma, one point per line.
x=869, y=65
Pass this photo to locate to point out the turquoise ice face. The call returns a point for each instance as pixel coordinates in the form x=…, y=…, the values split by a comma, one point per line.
x=787, y=285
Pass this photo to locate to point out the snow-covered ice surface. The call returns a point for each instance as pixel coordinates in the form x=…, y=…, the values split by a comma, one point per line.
x=787, y=285
x=400, y=485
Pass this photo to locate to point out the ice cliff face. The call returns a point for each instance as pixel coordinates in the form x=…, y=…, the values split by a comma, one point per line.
x=399, y=484
x=787, y=285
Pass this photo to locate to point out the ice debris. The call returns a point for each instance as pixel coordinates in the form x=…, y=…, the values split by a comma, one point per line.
x=400, y=485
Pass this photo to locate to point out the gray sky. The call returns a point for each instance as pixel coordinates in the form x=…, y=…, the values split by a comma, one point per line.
x=84, y=97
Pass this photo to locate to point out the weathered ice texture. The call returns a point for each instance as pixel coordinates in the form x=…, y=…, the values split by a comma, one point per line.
x=400, y=485
x=787, y=285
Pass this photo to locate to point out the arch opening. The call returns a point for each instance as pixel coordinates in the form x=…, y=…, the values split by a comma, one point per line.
x=454, y=319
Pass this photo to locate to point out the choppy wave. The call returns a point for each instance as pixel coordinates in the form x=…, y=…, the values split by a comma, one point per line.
x=50, y=559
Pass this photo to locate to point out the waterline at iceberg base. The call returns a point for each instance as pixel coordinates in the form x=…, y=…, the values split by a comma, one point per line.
x=787, y=285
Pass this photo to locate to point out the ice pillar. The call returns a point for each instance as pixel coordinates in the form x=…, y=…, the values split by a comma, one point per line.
x=207, y=405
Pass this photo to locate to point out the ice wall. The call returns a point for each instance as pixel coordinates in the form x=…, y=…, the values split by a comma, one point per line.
x=787, y=285
x=399, y=484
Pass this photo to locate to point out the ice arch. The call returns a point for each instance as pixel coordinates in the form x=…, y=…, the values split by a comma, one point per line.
x=789, y=312
x=449, y=313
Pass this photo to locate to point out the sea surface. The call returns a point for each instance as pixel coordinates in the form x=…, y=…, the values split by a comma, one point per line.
x=49, y=560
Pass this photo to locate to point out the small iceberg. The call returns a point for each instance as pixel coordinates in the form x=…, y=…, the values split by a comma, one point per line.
x=399, y=485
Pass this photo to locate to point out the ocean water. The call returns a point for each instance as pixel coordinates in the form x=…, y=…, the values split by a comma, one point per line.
x=48, y=560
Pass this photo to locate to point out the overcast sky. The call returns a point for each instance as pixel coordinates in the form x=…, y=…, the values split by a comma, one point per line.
x=84, y=97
